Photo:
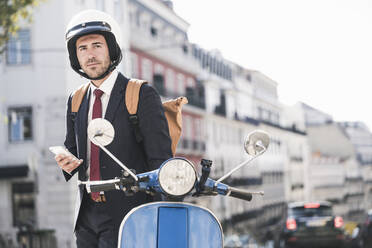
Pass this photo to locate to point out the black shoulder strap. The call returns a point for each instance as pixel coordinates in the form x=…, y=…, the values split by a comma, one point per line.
x=133, y=119
x=131, y=102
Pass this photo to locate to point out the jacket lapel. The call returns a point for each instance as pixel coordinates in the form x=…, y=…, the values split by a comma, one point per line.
x=116, y=97
x=83, y=123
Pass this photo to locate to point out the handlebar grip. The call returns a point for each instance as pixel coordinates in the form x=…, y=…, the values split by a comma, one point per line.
x=102, y=187
x=239, y=193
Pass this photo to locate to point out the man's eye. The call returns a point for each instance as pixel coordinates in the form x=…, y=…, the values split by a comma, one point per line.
x=82, y=49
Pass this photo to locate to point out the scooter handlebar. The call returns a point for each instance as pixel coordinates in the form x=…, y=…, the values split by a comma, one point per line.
x=106, y=185
x=240, y=194
x=103, y=187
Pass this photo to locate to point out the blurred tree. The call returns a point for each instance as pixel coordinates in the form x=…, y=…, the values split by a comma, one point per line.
x=11, y=12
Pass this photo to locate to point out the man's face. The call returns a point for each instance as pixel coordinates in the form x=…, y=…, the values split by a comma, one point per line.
x=93, y=54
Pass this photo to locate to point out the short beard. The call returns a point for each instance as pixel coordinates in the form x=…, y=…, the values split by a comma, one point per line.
x=99, y=70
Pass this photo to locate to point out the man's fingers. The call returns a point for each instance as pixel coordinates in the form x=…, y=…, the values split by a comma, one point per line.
x=59, y=157
x=71, y=165
x=67, y=163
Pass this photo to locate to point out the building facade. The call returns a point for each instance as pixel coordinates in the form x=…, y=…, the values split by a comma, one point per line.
x=361, y=138
x=226, y=102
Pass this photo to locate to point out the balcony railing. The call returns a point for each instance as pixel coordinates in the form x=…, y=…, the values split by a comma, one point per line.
x=37, y=238
x=196, y=97
x=191, y=145
x=244, y=181
x=296, y=159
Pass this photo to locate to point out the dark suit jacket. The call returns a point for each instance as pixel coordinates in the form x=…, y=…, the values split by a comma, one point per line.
x=146, y=156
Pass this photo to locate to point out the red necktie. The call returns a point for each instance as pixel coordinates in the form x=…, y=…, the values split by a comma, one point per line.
x=94, y=149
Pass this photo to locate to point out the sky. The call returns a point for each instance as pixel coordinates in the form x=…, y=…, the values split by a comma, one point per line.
x=318, y=51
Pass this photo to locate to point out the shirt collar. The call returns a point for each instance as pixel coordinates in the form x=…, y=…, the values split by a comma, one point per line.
x=108, y=84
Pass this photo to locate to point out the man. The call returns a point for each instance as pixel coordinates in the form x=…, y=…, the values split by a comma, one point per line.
x=94, y=53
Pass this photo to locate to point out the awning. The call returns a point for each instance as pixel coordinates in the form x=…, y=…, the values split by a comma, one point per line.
x=13, y=171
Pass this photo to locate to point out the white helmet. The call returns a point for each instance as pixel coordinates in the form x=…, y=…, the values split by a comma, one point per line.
x=93, y=22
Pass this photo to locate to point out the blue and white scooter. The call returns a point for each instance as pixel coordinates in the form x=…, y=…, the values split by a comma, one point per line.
x=171, y=224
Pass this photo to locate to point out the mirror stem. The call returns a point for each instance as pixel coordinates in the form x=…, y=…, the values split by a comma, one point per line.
x=241, y=165
x=116, y=160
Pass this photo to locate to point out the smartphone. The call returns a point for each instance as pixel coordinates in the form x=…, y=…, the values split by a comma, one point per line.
x=61, y=150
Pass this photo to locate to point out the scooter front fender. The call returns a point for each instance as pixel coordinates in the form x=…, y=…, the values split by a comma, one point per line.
x=170, y=225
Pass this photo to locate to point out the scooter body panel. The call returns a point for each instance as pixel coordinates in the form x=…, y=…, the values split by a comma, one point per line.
x=169, y=225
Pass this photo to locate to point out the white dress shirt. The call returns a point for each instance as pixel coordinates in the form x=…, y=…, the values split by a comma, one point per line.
x=106, y=87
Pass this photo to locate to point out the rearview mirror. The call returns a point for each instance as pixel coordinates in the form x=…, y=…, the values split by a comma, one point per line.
x=101, y=132
x=256, y=142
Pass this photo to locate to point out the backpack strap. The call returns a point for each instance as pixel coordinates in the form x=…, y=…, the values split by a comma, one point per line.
x=131, y=102
x=78, y=96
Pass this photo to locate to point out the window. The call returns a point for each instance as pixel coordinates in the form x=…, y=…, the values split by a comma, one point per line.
x=23, y=200
x=204, y=60
x=19, y=48
x=219, y=68
x=158, y=82
x=158, y=79
x=181, y=84
x=185, y=49
x=134, y=17
x=154, y=32
x=190, y=82
x=187, y=124
x=265, y=115
x=158, y=69
x=213, y=65
x=137, y=18
x=170, y=81
x=145, y=21
x=147, y=70
x=259, y=113
x=198, y=129
x=168, y=34
x=194, y=51
x=20, y=124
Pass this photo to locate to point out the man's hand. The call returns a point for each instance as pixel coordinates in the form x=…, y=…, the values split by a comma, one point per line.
x=67, y=163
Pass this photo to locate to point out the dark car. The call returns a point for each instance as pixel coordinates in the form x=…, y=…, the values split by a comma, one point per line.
x=311, y=225
x=366, y=231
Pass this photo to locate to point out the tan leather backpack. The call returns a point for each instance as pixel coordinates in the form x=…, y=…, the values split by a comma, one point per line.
x=172, y=109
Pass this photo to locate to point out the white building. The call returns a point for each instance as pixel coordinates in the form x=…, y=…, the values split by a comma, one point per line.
x=313, y=116
x=361, y=138
x=334, y=173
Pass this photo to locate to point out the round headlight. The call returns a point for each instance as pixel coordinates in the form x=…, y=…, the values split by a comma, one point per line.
x=177, y=177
